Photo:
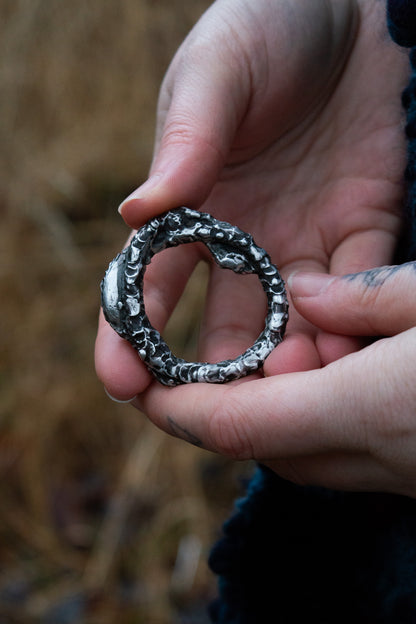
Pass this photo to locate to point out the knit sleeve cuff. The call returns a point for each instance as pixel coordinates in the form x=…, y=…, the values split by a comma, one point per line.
x=401, y=20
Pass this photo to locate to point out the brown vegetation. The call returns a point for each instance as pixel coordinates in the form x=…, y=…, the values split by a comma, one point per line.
x=102, y=518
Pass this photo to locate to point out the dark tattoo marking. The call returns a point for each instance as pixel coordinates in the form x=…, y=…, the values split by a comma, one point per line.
x=183, y=433
x=378, y=276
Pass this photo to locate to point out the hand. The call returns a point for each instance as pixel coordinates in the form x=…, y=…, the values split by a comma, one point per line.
x=277, y=117
x=350, y=425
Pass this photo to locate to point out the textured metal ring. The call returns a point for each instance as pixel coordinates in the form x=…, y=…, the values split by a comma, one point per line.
x=123, y=304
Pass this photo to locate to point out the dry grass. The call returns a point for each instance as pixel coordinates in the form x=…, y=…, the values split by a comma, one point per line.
x=102, y=518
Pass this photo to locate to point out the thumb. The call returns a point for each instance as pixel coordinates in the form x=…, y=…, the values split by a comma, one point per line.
x=381, y=301
x=202, y=102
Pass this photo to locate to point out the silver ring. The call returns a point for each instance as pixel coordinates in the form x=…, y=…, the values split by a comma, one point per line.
x=123, y=303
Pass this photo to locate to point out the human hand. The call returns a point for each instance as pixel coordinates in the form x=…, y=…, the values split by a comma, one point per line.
x=276, y=117
x=350, y=425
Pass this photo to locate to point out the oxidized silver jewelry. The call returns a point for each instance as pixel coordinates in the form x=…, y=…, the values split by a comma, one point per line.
x=123, y=304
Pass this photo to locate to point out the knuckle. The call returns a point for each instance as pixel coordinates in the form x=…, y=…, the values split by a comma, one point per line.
x=187, y=131
x=368, y=303
x=178, y=130
x=228, y=429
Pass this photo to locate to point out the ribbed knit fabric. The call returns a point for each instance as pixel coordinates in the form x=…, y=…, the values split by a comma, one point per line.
x=401, y=20
x=294, y=554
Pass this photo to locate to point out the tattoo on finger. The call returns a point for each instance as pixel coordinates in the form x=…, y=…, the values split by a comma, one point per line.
x=183, y=433
x=373, y=278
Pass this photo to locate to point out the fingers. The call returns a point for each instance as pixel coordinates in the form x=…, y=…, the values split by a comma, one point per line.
x=300, y=349
x=286, y=415
x=117, y=363
x=227, y=76
x=366, y=249
x=234, y=314
x=358, y=410
x=234, y=420
x=203, y=99
x=380, y=301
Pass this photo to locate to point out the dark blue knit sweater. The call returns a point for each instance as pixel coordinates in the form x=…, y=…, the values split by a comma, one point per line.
x=307, y=555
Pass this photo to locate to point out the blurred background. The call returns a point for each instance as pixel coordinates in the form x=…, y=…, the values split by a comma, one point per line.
x=103, y=519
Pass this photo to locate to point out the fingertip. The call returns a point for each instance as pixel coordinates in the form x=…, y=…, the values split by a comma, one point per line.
x=122, y=401
x=308, y=284
x=142, y=191
x=145, y=202
x=136, y=211
x=183, y=174
x=118, y=366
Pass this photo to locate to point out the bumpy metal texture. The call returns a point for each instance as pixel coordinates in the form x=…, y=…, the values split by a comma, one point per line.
x=123, y=304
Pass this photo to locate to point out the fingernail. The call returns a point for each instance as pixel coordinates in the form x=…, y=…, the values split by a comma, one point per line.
x=308, y=284
x=118, y=400
x=142, y=191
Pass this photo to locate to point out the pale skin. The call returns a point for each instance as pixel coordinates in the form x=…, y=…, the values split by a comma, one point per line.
x=284, y=118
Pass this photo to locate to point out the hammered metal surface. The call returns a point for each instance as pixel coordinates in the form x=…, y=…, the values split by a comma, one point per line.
x=123, y=304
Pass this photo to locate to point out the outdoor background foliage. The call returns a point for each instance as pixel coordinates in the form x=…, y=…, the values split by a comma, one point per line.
x=103, y=519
